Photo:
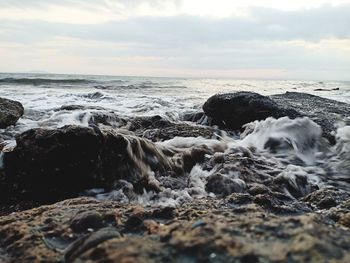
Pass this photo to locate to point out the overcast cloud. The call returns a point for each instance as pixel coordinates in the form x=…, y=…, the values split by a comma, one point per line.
x=163, y=38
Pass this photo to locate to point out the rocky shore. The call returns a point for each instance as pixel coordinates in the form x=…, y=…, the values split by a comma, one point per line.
x=208, y=198
x=234, y=229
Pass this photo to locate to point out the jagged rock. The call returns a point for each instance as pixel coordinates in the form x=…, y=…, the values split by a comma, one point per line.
x=326, y=198
x=233, y=110
x=85, y=220
x=74, y=107
x=224, y=185
x=106, y=118
x=60, y=163
x=10, y=112
x=198, y=117
x=234, y=229
x=156, y=128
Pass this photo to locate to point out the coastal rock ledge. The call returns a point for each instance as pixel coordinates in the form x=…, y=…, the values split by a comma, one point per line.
x=10, y=112
x=233, y=229
x=233, y=110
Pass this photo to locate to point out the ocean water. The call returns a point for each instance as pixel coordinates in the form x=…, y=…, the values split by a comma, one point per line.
x=43, y=95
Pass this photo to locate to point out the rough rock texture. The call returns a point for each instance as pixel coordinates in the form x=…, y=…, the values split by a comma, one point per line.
x=198, y=117
x=156, y=128
x=234, y=229
x=232, y=110
x=62, y=163
x=10, y=112
x=59, y=163
x=324, y=112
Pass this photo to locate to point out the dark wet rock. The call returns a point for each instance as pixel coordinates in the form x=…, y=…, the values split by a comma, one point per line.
x=326, y=198
x=173, y=182
x=85, y=220
x=233, y=110
x=298, y=185
x=280, y=203
x=198, y=117
x=63, y=162
x=143, y=123
x=268, y=184
x=324, y=112
x=106, y=118
x=10, y=112
x=157, y=128
x=133, y=222
x=166, y=212
x=326, y=89
x=233, y=229
x=89, y=241
x=340, y=213
x=224, y=185
x=255, y=189
x=78, y=107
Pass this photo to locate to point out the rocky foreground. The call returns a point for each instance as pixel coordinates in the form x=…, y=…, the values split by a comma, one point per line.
x=259, y=213
x=238, y=228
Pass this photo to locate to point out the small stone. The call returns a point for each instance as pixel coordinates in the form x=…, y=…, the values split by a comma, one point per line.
x=198, y=223
x=135, y=219
x=166, y=212
x=151, y=226
x=327, y=202
x=86, y=220
x=345, y=220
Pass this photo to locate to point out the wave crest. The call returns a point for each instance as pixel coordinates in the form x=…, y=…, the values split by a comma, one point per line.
x=42, y=81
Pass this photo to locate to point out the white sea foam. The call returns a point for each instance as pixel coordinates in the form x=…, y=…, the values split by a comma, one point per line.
x=300, y=136
x=130, y=96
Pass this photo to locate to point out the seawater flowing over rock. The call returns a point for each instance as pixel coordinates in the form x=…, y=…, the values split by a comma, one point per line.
x=233, y=110
x=10, y=112
x=165, y=189
x=61, y=163
x=156, y=128
x=325, y=112
x=280, y=155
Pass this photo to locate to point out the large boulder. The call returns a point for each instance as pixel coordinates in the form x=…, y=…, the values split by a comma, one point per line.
x=233, y=110
x=50, y=165
x=10, y=112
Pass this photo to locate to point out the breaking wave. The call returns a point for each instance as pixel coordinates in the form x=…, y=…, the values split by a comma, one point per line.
x=283, y=156
x=41, y=81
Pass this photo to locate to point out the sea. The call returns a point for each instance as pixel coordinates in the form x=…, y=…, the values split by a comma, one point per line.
x=43, y=96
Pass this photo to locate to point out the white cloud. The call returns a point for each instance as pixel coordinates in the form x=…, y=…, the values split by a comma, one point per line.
x=177, y=38
x=100, y=11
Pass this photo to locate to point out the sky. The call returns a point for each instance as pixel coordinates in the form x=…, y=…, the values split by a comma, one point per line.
x=269, y=39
